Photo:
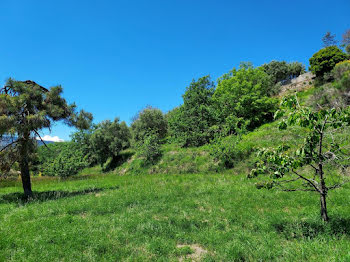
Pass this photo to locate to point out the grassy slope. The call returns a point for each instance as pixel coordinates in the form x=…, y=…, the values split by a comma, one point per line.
x=145, y=217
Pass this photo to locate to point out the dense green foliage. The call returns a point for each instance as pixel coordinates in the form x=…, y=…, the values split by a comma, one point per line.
x=150, y=148
x=190, y=124
x=61, y=159
x=283, y=71
x=149, y=121
x=242, y=99
x=83, y=140
x=325, y=60
x=228, y=150
x=109, y=139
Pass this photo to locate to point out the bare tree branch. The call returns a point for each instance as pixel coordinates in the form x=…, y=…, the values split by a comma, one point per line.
x=8, y=145
x=36, y=132
x=312, y=183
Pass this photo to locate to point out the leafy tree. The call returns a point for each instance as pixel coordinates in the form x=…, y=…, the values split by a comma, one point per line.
x=25, y=109
x=320, y=151
x=109, y=138
x=280, y=71
x=190, y=124
x=324, y=60
x=149, y=121
x=295, y=69
x=82, y=139
x=277, y=70
x=242, y=98
x=329, y=40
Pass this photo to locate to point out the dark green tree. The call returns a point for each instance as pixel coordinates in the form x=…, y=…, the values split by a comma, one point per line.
x=25, y=109
x=277, y=70
x=190, y=124
x=325, y=60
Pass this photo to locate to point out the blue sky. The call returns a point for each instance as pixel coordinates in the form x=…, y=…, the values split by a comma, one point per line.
x=115, y=57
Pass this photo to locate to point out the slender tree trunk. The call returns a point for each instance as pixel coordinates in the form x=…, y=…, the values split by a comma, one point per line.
x=24, y=166
x=323, y=188
x=324, y=213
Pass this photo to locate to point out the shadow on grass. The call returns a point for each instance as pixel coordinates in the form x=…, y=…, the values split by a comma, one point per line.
x=118, y=161
x=310, y=229
x=43, y=196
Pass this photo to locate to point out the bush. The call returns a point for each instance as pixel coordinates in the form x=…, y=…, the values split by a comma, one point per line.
x=340, y=69
x=327, y=96
x=229, y=150
x=150, y=148
x=149, y=120
x=83, y=139
x=109, y=139
x=61, y=159
x=325, y=60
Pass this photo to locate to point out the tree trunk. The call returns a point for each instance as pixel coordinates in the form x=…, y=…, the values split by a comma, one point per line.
x=25, y=175
x=324, y=214
x=24, y=166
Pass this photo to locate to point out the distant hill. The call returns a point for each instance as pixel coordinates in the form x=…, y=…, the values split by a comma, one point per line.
x=7, y=140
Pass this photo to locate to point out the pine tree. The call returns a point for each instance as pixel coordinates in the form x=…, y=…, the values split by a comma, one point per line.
x=25, y=109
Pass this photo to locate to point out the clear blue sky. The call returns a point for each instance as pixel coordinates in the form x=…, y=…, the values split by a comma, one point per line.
x=115, y=57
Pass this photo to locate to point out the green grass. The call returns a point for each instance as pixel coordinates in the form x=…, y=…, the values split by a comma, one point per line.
x=144, y=218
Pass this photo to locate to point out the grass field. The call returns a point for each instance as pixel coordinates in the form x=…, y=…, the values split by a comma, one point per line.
x=207, y=217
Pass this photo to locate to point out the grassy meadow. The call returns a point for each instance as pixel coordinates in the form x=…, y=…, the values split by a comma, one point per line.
x=186, y=217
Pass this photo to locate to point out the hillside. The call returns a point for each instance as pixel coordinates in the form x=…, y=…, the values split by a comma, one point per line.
x=185, y=207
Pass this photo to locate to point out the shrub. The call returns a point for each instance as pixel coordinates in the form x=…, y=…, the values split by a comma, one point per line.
x=229, y=150
x=150, y=148
x=325, y=60
x=83, y=139
x=109, y=139
x=327, y=96
x=61, y=159
x=340, y=69
x=149, y=120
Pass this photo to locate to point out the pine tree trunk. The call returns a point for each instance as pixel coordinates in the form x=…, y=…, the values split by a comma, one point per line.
x=25, y=175
x=24, y=166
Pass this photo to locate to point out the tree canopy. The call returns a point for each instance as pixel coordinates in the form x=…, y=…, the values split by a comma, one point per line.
x=324, y=60
x=242, y=98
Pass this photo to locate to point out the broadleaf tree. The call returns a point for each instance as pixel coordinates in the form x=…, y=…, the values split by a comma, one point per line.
x=327, y=157
x=25, y=109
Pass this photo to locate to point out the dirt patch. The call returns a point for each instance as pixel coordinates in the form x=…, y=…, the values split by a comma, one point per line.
x=197, y=255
